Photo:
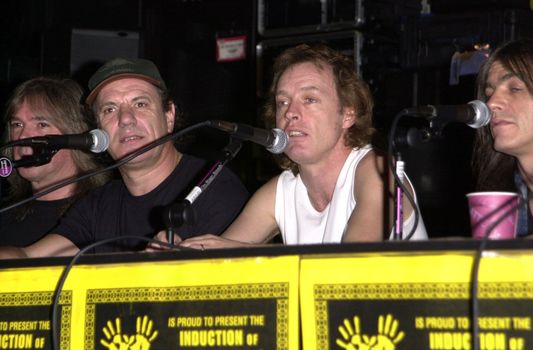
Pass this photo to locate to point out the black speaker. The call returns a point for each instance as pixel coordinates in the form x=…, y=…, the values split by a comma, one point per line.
x=90, y=48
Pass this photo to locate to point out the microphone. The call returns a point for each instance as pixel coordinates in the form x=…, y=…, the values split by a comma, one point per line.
x=7, y=165
x=475, y=114
x=95, y=141
x=274, y=140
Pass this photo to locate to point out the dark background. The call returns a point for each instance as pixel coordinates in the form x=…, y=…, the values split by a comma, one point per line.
x=402, y=49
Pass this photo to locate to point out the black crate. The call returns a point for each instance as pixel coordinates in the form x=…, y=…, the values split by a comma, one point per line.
x=277, y=18
x=348, y=42
x=432, y=40
x=456, y=6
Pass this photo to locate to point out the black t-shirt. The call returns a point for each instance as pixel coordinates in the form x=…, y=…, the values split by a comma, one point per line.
x=111, y=211
x=42, y=217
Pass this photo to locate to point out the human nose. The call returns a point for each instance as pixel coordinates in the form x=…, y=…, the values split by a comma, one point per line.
x=292, y=113
x=496, y=101
x=126, y=116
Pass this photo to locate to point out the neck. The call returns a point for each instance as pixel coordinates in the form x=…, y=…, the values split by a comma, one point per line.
x=61, y=193
x=526, y=171
x=320, y=179
x=141, y=179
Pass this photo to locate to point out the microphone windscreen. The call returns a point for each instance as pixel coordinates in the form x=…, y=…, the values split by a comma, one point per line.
x=281, y=140
x=100, y=140
x=482, y=114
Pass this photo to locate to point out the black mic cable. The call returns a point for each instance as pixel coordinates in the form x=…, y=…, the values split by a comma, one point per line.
x=115, y=165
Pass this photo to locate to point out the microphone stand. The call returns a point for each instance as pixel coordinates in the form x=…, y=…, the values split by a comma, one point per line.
x=424, y=135
x=398, y=204
x=400, y=188
x=181, y=212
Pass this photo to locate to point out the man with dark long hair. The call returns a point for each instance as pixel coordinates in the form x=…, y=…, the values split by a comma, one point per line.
x=503, y=150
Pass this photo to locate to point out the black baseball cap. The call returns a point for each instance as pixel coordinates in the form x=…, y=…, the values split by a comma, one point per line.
x=124, y=68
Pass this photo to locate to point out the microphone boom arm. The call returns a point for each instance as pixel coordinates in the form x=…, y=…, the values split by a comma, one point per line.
x=176, y=214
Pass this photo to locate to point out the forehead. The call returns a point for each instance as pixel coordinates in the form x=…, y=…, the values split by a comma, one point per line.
x=496, y=68
x=126, y=87
x=31, y=109
x=307, y=72
x=498, y=74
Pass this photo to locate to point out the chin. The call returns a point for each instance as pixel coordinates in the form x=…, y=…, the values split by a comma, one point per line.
x=504, y=148
x=30, y=173
x=300, y=158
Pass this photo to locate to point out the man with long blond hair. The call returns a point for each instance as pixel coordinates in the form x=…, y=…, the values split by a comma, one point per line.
x=38, y=107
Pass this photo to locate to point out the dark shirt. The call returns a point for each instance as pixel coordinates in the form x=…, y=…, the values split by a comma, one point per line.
x=42, y=217
x=525, y=220
x=111, y=211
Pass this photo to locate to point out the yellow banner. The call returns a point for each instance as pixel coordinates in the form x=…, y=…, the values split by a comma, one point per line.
x=237, y=303
x=415, y=301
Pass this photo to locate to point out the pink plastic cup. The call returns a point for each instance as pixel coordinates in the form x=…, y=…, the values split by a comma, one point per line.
x=486, y=208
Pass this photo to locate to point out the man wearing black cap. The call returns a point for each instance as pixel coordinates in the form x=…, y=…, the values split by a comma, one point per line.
x=131, y=104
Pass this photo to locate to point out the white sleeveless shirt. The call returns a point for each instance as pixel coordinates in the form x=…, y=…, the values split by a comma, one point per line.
x=300, y=223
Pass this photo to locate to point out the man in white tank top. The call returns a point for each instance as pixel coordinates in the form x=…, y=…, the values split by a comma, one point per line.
x=334, y=185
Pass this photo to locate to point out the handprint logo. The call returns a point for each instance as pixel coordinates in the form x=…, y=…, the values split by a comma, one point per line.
x=353, y=340
x=388, y=335
x=115, y=340
x=387, y=338
x=144, y=335
x=141, y=340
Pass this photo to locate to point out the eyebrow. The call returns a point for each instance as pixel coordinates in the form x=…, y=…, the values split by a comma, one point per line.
x=506, y=77
x=142, y=97
x=305, y=88
x=499, y=80
x=134, y=99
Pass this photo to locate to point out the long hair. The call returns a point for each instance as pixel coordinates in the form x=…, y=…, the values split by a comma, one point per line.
x=494, y=170
x=61, y=101
x=352, y=92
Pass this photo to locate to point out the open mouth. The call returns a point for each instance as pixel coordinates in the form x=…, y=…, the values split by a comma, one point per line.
x=129, y=139
x=295, y=133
